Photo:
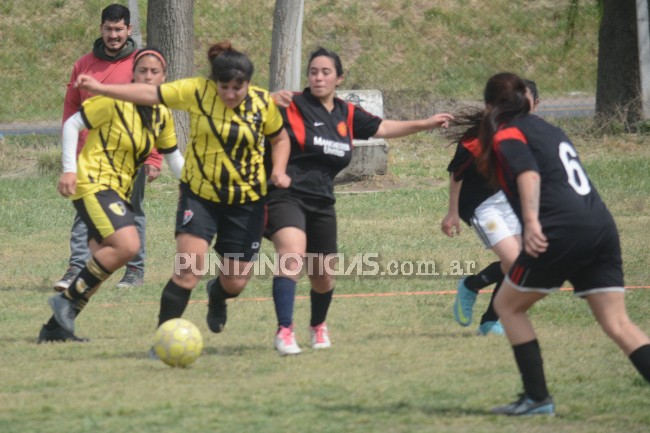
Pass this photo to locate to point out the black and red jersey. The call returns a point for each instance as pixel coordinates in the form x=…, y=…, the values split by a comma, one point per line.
x=321, y=141
x=567, y=197
x=475, y=188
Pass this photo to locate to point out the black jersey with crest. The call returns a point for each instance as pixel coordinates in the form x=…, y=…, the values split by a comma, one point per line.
x=321, y=142
x=567, y=196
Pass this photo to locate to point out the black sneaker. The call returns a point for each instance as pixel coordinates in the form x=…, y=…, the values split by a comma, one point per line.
x=217, y=310
x=64, y=311
x=132, y=278
x=67, y=279
x=58, y=334
x=527, y=406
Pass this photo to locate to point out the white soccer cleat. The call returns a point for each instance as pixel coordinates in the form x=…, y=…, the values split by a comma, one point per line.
x=320, y=337
x=285, y=342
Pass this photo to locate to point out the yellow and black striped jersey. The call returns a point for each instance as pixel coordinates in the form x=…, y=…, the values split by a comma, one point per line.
x=118, y=144
x=224, y=159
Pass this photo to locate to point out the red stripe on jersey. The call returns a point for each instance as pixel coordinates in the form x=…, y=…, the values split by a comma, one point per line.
x=473, y=146
x=297, y=124
x=510, y=133
x=506, y=134
x=350, y=122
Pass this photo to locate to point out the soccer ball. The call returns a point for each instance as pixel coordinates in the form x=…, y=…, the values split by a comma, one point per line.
x=178, y=342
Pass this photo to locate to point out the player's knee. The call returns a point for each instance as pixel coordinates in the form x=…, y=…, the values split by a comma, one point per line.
x=233, y=284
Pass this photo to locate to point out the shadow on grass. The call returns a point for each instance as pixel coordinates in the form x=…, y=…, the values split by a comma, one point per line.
x=402, y=407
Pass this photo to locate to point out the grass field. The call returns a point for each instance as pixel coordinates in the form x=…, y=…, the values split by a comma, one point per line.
x=399, y=363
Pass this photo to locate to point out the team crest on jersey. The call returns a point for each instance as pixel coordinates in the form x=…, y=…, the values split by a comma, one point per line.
x=118, y=208
x=187, y=216
x=342, y=129
x=254, y=118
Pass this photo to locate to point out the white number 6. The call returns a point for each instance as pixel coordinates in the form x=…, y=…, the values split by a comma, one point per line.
x=576, y=174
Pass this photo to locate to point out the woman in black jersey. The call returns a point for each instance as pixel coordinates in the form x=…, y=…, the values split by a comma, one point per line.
x=485, y=208
x=302, y=219
x=568, y=234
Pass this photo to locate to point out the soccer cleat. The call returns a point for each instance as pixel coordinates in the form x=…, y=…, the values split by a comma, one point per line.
x=285, y=341
x=464, y=304
x=132, y=278
x=217, y=310
x=67, y=279
x=58, y=334
x=491, y=328
x=64, y=311
x=526, y=406
x=320, y=337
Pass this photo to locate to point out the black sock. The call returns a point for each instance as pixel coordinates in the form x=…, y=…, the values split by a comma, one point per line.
x=488, y=276
x=320, y=304
x=173, y=301
x=218, y=293
x=490, y=314
x=641, y=360
x=284, y=294
x=531, y=366
x=92, y=275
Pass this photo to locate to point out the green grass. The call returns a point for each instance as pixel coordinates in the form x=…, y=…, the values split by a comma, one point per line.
x=406, y=48
x=398, y=363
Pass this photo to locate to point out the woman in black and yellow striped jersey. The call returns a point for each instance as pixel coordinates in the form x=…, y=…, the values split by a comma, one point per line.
x=121, y=136
x=224, y=179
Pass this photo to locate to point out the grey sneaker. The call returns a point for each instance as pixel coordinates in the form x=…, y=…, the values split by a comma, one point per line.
x=58, y=334
x=526, y=406
x=64, y=311
x=153, y=355
x=217, y=310
x=132, y=278
x=67, y=279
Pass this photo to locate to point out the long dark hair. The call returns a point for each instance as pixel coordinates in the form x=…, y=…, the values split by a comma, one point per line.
x=229, y=64
x=505, y=100
x=470, y=118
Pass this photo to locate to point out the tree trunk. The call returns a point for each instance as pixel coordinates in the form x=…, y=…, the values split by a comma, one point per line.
x=136, y=33
x=286, y=45
x=618, y=83
x=170, y=28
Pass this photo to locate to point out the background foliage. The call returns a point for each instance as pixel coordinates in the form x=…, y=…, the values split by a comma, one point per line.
x=420, y=54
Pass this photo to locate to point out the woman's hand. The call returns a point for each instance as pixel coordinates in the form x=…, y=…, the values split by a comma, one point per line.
x=67, y=184
x=281, y=180
x=450, y=224
x=535, y=242
x=440, y=120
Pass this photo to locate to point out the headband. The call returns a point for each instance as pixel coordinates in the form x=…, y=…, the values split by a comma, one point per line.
x=148, y=51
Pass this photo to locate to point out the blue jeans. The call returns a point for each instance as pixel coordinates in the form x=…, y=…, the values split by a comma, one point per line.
x=79, y=252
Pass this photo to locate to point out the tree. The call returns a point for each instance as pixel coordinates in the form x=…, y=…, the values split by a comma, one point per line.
x=618, y=83
x=286, y=45
x=170, y=28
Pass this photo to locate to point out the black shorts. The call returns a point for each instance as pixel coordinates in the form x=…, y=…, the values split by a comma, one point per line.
x=104, y=213
x=589, y=259
x=238, y=228
x=315, y=217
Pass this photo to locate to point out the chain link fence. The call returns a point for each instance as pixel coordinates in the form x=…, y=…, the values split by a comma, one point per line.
x=423, y=56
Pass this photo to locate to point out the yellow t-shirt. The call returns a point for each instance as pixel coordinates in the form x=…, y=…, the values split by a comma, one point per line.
x=118, y=144
x=224, y=160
